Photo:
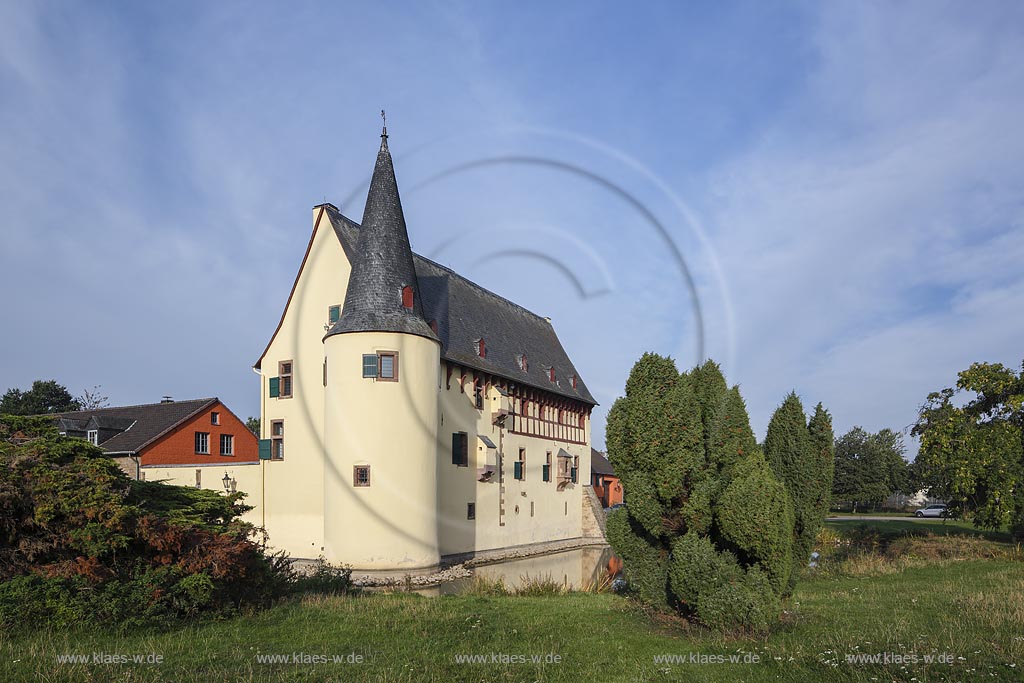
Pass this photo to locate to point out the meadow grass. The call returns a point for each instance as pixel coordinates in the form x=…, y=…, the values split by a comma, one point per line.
x=913, y=526
x=922, y=595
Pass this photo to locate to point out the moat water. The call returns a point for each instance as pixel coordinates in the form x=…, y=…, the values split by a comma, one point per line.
x=573, y=569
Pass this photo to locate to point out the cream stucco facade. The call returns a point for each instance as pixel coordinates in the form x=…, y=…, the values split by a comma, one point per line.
x=417, y=503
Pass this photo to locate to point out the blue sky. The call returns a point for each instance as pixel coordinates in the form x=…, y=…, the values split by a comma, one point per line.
x=841, y=182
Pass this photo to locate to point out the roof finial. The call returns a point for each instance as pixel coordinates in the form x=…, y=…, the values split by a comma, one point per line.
x=384, y=133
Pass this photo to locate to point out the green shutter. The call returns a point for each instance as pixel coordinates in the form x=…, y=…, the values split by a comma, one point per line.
x=460, y=449
x=547, y=472
x=333, y=313
x=573, y=474
x=369, y=365
x=275, y=387
x=265, y=450
x=517, y=469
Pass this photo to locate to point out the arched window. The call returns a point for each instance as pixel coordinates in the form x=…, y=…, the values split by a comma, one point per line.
x=407, y=298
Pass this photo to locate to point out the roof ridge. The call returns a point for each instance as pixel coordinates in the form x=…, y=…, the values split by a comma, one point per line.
x=138, y=405
x=447, y=269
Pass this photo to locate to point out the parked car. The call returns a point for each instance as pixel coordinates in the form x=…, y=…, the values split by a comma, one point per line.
x=934, y=510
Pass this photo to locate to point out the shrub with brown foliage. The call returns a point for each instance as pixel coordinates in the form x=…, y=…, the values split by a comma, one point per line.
x=81, y=542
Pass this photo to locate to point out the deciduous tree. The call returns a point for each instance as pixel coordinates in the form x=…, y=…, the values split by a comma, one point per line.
x=45, y=397
x=972, y=452
x=869, y=467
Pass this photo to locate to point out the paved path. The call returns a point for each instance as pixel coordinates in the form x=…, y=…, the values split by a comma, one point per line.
x=887, y=518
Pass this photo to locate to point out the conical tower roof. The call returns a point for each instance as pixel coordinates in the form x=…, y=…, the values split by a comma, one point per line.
x=383, y=266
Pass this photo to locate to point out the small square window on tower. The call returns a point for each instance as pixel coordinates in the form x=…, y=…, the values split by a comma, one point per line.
x=361, y=475
x=388, y=368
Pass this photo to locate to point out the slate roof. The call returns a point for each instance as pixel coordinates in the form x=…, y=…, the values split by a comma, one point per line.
x=383, y=264
x=142, y=424
x=599, y=463
x=466, y=312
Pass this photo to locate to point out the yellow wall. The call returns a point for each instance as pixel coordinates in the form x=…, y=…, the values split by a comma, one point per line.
x=248, y=479
x=392, y=428
x=294, y=486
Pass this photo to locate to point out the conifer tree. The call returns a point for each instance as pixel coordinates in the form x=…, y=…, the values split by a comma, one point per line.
x=800, y=455
x=708, y=528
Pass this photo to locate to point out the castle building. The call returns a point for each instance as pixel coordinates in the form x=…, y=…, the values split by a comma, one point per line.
x=408, y=415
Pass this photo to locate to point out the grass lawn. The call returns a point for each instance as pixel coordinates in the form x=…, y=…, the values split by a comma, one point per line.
x=911, y=526
x=973, y=610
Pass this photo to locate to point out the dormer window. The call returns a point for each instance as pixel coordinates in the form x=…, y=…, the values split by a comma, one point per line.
x=407, y=298
x=574, y=381
x=481, y=348
x=522, y=362
x=551, y=374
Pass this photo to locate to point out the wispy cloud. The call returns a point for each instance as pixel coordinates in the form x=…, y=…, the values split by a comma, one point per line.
x=854, y=166
x=872, y=232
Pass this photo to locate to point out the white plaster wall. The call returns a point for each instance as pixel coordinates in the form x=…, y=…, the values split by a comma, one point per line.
x=556, y=514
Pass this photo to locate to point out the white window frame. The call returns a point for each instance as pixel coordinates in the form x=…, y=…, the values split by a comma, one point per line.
x=202, y=443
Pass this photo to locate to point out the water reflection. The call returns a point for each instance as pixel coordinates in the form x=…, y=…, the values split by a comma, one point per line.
x=572, y=568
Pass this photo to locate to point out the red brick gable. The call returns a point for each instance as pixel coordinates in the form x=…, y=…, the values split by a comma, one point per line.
x=177, y=447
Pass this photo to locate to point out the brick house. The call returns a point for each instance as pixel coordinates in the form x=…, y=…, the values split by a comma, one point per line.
x=173, y=441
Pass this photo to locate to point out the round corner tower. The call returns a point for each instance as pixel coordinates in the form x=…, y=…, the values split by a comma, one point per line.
x=381, y=400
